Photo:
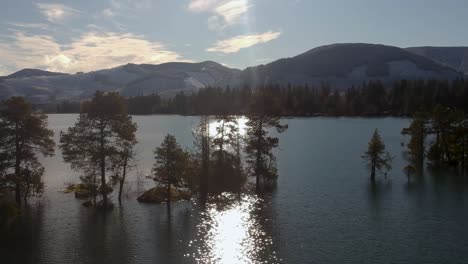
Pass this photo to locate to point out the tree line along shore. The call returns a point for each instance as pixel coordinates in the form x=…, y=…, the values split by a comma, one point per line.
x=100, y=146
x=403, y=98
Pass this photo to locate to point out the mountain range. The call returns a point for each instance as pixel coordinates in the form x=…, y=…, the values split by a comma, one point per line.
x=340, y=65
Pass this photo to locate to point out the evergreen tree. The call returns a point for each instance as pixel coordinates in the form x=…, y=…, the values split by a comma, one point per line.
x=442, y=119
x=261, y=161
x=377, y=158
x=125, y=158
x=408, y=170
x=23, y=134
x=225, y=168
x=170, y=163
x=203, y=144
x=418, y=131
x=93, y=145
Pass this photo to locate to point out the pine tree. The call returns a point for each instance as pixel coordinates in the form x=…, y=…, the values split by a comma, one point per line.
x=261, y=162
x=224, y=166
x=418, y=131
x=170, y=162
x=94, y=143
x=23, y=134
x=203, y=144
x=377, y=158
x=125, y=158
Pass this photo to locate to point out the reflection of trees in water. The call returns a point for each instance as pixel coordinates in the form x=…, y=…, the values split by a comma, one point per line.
x=376, y=197
x=21, y=241
x=172, y=233
x=103, y=236
x=447, y=179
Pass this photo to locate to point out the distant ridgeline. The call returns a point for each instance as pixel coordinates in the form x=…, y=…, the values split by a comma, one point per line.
x=369, y=99
x=340, y=66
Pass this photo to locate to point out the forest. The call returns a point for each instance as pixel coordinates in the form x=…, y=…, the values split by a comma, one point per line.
x=100, y=146
x=403, y=98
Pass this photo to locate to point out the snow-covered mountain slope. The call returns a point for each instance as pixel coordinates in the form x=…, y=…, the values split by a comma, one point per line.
x=455, y=57
x=130, y=80
x=340, y=65
x=344, y=65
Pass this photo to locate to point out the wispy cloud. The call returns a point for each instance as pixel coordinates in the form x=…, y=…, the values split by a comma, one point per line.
x=30, y=25
x=90, y=51
x=233, y=45
x=119, y=7
x=56, y=12
x=224, y=12
x=108, y=12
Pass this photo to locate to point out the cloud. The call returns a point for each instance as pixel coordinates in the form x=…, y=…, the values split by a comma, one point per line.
x=237, y=43
x=224, y=12
x=108, y=12
x=56, y=12
x=119, y=7
x=30, y=25
x=202, y=5
x=90, y=51
x=233, y=10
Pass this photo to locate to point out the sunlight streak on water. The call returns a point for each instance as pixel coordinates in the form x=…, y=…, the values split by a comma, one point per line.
x=241, y=120
x=231, y=233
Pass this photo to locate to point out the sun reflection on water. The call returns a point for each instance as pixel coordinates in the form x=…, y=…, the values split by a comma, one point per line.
x=241, y=121
x=231, y=233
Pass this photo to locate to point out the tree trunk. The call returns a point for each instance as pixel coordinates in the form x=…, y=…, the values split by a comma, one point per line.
x=18, y=193
x=258, y=160
x=168, y=202
x=205, y=149
x=438, y=158
x=122, y=181
x=17, y=167
x=421, y=147
x=103, y=172
x=463, y=155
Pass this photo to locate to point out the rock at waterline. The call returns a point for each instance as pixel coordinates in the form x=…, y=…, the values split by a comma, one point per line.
x=159, y=194
x=81, y=191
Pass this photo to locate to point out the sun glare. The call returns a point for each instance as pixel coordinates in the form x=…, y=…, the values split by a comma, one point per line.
x=231, y=233
x=241, y=121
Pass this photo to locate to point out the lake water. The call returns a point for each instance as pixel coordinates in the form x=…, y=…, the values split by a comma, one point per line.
x=324, y=209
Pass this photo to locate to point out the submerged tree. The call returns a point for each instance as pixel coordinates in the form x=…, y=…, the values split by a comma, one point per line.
x=226, y=132
x=125, y=157
x=418, y=131
x=225, y=166
x=442, y=119
x=261, y=162
x=103, y=134
x=24, y=134
x=202, y=143
x=377, y=158
x=408, y=170
x=170, y=164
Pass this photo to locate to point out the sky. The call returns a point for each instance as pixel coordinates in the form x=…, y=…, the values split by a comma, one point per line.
x=86, y=35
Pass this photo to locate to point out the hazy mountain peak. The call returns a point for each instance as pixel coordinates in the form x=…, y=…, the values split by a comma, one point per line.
x=25, y=73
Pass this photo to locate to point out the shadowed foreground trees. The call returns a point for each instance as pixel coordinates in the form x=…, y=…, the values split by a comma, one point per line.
x=23, y=134
x=100, y=141
x=447, y=133
x=261, y=161
x=377, y=158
